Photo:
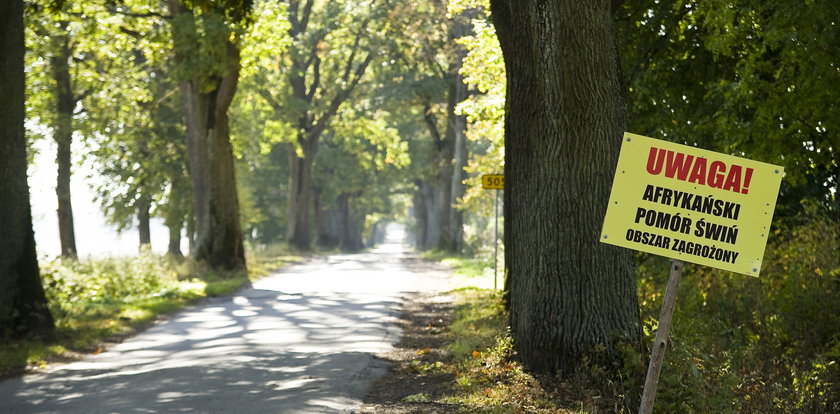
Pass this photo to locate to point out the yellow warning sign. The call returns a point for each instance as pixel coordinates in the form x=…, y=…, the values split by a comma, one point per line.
x=691, y=204
x=493, y=182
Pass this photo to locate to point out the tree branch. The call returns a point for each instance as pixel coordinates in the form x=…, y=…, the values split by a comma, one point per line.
x=271, y=101
x=299, y=23
x=130, y=13
x=83, y=95
x=316, y=79
x=227, y=87
x=307, y=11
x=431, y=124
x=132, y=33
x=349, y=66
x=339, y=98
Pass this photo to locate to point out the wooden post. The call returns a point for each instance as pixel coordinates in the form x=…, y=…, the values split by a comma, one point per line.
x=657, y=355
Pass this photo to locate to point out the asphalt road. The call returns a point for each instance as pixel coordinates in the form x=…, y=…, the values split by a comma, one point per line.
x=300, y=341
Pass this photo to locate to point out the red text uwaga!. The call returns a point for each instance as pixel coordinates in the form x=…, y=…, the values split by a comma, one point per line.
x=699, y=170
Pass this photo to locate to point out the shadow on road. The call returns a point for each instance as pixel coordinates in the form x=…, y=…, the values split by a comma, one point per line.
x=266, y=352
x=300, y=341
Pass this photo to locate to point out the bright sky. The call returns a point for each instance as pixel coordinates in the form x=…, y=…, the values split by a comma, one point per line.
x=94, y=236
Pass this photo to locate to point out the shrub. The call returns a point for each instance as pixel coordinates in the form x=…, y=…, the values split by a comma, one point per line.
x=754, y=345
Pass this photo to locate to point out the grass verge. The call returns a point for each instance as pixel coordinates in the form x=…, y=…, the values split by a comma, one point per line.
x=737, y=344
x=469, y=272
x=98, y=301
x=482, y=360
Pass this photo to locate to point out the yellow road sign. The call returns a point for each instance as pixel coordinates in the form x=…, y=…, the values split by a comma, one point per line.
x=691, y=204
x=493, y=182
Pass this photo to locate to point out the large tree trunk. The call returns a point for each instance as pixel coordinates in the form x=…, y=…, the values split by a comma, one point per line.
x=458, y=125
x=427, y=215
x=420, y=212
x=144, y=228
x=219, y=234
x=63, y=135
x=564, y=121
x=837, y=185
x=446, y=223
x=175, y=215
x=23, y=305
x=174, y=247
x=218, y=238
x=443, y=207
x=352, y=225
x=300, y=198
x=326, y=222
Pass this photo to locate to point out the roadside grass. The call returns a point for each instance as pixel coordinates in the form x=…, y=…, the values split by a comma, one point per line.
x=738, y=344
x=94, y=301
x=487, y=379
x=469, y=271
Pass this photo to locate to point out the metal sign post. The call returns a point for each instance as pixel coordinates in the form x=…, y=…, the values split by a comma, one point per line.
x=494, y=182
x=495, y=239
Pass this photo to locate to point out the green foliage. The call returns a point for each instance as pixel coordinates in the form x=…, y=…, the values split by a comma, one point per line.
x=744, y=345
x=470, y=271
x=68, y=281
x=202, y=34
x=362, y=157
x=487, y=377
x=482, y=315
x=738, y=344
x=266, y=39
x=749, y=78
x=483, y=70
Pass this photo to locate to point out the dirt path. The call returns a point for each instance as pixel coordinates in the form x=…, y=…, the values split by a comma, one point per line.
x=408, y=387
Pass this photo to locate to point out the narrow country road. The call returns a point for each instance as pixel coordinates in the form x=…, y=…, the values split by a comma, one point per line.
x=300, y=341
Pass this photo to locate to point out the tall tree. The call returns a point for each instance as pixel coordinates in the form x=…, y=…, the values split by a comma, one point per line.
x=427, y=75
x=259, y=135
x=325, y=63
x=357, y=170
x=23, y=305
x=56, y=35
x=565, y=117
x=65, y=101
x=206, y=44
x=141, y=148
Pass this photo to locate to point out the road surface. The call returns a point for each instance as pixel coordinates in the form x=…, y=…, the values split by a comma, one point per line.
x=300, y=341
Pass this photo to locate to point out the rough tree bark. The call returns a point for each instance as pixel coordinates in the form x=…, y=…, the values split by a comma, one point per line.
x=23, y=305
x=177, y=212
x=65, y=101
x=144, y=229
x=218, y=234
x=565, y=115
x=174, y=246
x=300, y=195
